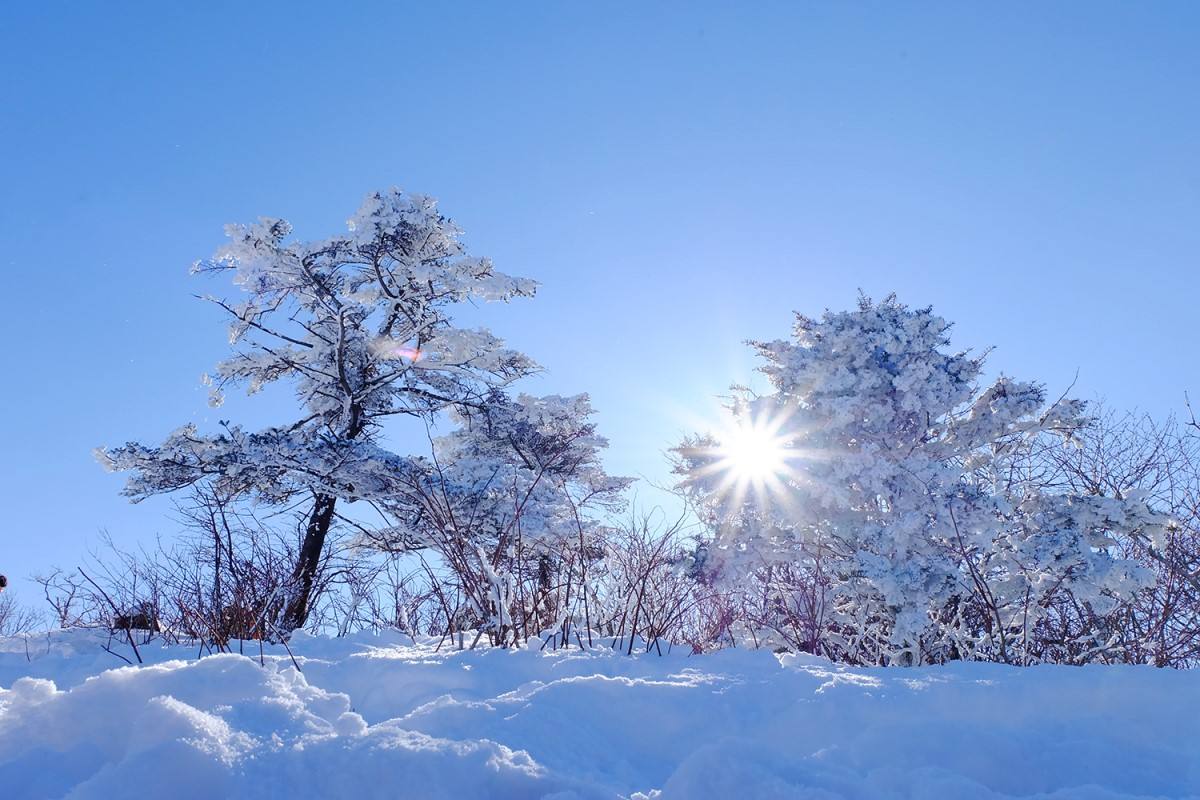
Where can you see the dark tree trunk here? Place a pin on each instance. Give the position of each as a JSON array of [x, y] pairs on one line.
[[307, 562], [309, 558]]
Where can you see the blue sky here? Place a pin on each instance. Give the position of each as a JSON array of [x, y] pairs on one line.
[[679, 177]]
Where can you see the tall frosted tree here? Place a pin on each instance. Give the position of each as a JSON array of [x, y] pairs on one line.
[[889, 476], [360, 325]]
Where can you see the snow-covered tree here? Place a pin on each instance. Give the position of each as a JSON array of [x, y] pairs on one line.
[[507, 500], [360, 325], [880, 470]]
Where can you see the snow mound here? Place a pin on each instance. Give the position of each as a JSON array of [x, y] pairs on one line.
[[378, 717]]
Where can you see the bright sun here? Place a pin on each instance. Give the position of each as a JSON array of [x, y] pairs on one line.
[[753, 453]]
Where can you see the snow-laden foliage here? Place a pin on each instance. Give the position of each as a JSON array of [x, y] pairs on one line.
[[506, 499], [896, 496], [360, 325]]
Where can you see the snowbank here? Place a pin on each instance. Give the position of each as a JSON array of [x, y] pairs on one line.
[[381, 717]]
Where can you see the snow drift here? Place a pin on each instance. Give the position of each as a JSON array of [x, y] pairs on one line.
[[383, 717]]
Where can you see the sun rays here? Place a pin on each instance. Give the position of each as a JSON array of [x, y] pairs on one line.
[[753, 452], [752, 459]]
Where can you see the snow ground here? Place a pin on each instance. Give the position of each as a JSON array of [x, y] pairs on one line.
[[382, 717]]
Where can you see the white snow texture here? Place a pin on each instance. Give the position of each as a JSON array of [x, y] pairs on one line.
[[382, 717]]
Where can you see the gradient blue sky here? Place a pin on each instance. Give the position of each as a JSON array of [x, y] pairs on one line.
[[678, 176]]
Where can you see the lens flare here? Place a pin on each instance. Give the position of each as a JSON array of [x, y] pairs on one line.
[[389, 348]]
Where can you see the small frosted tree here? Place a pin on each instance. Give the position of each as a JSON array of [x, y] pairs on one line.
[[360, 325], [895, 484], [509, 501]]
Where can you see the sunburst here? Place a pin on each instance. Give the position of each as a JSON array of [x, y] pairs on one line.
[[754, 459]]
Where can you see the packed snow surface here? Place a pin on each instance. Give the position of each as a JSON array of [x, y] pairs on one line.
[[384, 717]]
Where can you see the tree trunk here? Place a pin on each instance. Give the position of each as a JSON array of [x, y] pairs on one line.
[[307, 562], [309, 558]]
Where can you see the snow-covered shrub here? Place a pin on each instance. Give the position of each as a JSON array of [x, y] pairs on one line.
[[897, 500], [1127, 455], [509, 506]]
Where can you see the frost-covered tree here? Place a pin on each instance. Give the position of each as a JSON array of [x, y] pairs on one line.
[[1121, 455], [883, 473], [360, 325], [508, 502]]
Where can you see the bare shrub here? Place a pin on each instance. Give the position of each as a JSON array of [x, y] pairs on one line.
[[646, 594], [17, 619], [223, 580]]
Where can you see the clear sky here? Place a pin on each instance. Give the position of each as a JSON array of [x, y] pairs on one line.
[[679, 177]]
